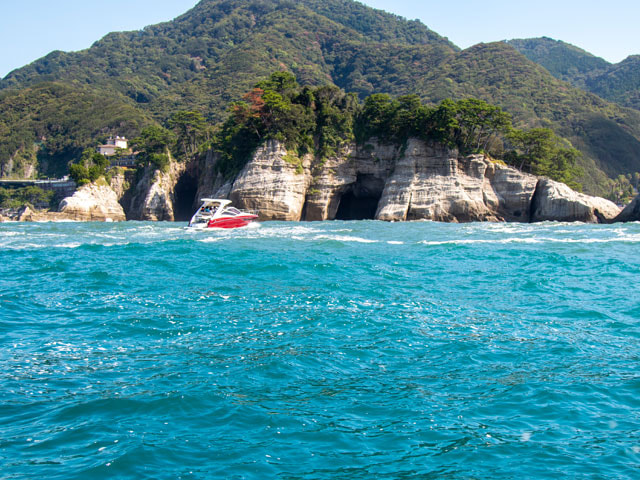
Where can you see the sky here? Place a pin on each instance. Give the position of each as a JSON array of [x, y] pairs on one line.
[[29, 29]]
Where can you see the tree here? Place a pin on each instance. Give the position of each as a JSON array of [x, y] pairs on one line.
[[334, 115], [189, 128], [376, 117], [89, 167], [620, 190], [441, 124], [541, 152], [153, 146], [79, 173], [479, 123], [284, 83]]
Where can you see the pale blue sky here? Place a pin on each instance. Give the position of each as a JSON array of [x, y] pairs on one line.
[[29, 29]]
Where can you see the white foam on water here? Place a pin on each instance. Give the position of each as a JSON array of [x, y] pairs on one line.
[[24, 246], [479, 241], [68, 245], [344, 238], [210, 239], [533, 240]]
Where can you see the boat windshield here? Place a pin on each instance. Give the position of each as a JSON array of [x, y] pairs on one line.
[[232, 211]]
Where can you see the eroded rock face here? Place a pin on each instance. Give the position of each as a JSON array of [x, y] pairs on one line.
[[420, 181], [509, 192], [555, 201], [154, 194], [118, 184], [94, 203], [430, 183], [630, 213], [273, 184], [210, 183]]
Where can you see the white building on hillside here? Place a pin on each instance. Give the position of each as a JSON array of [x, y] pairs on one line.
[[109, 148]]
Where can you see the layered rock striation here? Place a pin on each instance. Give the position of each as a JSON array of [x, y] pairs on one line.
[[92, 203], [556, 201], [153, 196], [275, 183], [418, 181]]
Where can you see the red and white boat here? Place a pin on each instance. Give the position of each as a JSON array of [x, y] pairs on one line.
[[218, 213]]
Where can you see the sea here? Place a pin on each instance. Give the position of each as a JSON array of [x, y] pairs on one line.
[[329, 350]]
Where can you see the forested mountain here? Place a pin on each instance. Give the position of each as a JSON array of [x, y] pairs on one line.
[[213, 54], [54, 122], [618, 82]]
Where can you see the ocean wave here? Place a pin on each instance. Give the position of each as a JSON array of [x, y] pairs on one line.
[[344, 238], [533, 240]]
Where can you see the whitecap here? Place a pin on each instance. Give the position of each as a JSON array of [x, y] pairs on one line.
[[344, 238], [68, 245]]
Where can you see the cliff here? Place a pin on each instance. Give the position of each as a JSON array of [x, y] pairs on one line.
[[631, 212], [95, 202], [420, 181], [556, 201], [153, 196], [91, 202]]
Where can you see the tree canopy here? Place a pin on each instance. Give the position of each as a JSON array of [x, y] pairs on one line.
[[320, 120]]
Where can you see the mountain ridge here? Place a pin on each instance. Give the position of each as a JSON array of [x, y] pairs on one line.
[[616, 82]]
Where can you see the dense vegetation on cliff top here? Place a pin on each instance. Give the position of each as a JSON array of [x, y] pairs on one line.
[[321, 120], [211, 55], [618, 82]]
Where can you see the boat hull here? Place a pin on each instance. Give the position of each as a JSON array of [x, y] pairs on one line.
[[232, 222]]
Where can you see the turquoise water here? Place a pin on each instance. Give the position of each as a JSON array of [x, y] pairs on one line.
[[352, 350]]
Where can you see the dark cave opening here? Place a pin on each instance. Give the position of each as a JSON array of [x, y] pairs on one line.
[[185, 197], [360, 201]]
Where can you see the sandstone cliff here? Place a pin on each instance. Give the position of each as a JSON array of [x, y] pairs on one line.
[[631, 212], [153, 195], [274, 183], [90, 203], [420, 181], [556, 201]]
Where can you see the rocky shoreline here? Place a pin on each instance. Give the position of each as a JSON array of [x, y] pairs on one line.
[[417, 181]]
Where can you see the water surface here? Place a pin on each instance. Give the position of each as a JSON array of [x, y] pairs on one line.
[[352, 350]]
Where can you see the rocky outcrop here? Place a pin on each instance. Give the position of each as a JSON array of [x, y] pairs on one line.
[[95, 203], [274, 183], [419, 181], [555, 201], [360, 172], [630, 213], [430, 182], [209, 181], [25, 214], [119, 183], [154, 194]]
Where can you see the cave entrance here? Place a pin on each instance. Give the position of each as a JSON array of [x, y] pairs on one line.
[[360, 201], [185, 197]]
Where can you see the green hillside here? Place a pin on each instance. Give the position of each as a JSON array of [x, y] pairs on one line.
[[50, 124], [618, 82], [213, 54], [217, 50], [563, 60]]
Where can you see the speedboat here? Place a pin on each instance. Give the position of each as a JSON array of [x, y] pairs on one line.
[[218, 213]]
